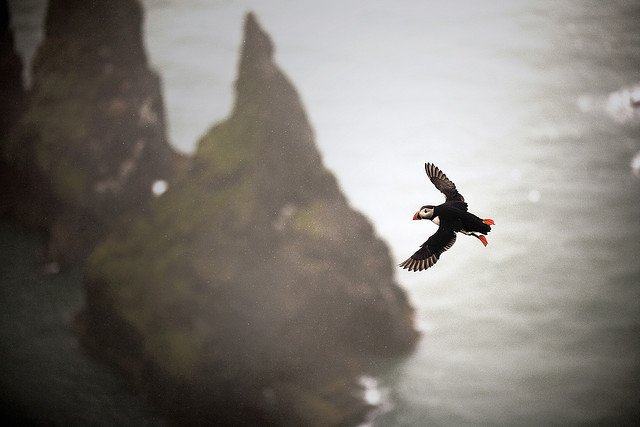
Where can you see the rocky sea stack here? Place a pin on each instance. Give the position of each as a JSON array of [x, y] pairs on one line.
[[92, 138], [250, 292], [247, 293]]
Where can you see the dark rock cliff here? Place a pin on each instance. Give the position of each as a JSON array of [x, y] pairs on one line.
[[94, 124], [13, 94], [250, 291], [16, 180]]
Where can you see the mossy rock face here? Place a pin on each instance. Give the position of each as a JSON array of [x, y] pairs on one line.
[[95, 111], [251, 274], [92, 136]]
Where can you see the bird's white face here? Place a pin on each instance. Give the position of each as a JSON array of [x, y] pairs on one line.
[[426, 213]]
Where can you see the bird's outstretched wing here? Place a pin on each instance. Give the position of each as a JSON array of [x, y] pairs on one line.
[[431, 250], [442, 183]]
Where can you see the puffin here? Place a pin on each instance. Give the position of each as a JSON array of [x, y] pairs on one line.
[[451, 217]]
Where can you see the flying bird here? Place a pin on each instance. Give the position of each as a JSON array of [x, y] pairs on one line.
[[451, 217]]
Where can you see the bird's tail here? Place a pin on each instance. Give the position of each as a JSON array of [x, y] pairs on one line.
[[486, 226]]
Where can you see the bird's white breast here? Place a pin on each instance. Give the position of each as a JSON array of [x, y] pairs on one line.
[[436, 220]]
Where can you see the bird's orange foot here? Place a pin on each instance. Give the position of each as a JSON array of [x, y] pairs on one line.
[[482, 239], [489, 221]]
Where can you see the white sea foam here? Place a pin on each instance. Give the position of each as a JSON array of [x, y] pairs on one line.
[[534, 196], [635, 164], [375, 395], [624, 104]]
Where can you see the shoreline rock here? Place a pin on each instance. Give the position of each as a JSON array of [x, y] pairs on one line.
[[250, 292], [93, 129]]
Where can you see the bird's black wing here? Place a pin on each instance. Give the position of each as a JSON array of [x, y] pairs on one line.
[[430, 250], [442, 183]]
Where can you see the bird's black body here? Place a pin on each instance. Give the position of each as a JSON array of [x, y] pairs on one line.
[[452, 217]]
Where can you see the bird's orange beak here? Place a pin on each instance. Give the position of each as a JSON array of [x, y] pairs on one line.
[[416, 216]]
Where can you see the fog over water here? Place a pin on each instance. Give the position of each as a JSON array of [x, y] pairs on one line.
[[528, 106]]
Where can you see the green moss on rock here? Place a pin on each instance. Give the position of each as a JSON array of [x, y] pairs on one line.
[[93, 130]]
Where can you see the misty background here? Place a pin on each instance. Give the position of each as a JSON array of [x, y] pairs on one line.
[[531, 108]]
